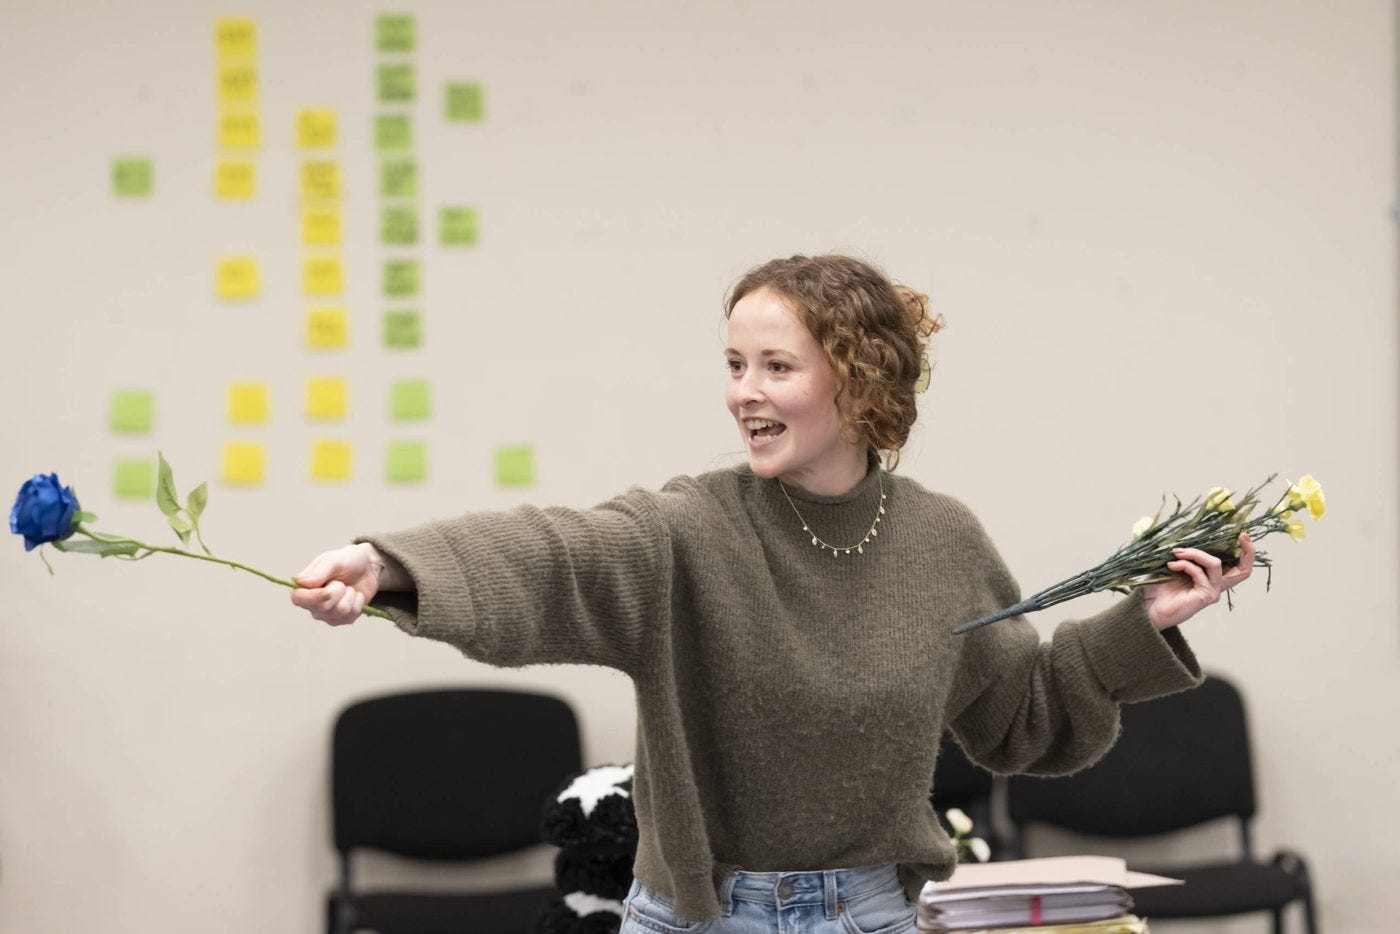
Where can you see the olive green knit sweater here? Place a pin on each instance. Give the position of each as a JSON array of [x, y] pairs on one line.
[[790, 703]]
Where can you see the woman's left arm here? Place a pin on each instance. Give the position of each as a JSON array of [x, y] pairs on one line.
[[1201, 579]]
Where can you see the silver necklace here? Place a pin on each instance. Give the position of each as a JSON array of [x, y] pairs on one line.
[[836, 550]]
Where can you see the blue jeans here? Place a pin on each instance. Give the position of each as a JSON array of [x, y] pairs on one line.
[[865, 900]]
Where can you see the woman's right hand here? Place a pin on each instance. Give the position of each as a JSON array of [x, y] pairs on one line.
[[337, 584]]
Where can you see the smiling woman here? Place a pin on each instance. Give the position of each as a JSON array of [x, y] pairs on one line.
[[755, 655]]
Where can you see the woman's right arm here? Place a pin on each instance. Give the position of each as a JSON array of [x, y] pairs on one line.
[[337, 584], [527, 586]]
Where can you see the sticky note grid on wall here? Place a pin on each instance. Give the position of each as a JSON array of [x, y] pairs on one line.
[[315, 305]]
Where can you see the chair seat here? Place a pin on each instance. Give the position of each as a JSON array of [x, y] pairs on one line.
[[514, 912], [1216, 890]]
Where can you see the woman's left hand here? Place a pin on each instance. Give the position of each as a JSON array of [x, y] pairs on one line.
[[1200, 581]]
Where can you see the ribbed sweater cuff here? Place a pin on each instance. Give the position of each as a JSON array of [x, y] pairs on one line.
[[1131, 659], [439, 581]]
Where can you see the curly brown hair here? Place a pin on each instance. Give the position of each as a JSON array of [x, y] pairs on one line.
[[875, 333]]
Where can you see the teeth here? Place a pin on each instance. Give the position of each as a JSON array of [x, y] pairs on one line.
[[754, 424]]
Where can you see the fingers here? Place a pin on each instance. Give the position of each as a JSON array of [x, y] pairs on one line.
[[335, 603], [1203, 559], [1245, 567]]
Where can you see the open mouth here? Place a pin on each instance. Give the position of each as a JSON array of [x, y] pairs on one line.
[[762, 430]]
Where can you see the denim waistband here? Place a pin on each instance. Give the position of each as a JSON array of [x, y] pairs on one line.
[[805, 888]]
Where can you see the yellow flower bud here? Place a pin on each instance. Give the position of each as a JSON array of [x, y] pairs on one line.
[[959, 821], [1294, 527], [1142, 525], [1219, 498]]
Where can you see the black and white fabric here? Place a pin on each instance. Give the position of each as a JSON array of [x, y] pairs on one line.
[[592, 821]]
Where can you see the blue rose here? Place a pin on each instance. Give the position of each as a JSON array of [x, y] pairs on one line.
[[43, 511]]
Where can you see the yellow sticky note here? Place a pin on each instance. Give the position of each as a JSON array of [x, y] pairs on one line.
[[515, 465], [132, 411], [320, 226], [240, 129], [244, 463], [320, 181], [235, 179], [238, 85], [322, 275], [325, 397], [247, 403], [236, 277], [326, 328], [316, 127], [330, 460], [135, 478], [235, 37], [407, 462]]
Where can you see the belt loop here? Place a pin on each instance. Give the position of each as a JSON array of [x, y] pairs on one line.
[[829, 893], [726, 893]]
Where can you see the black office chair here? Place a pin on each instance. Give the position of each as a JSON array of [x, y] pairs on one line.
[[960, 783], [446, 775], [1181, 760]]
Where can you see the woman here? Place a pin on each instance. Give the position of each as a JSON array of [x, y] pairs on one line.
[[787, 625]]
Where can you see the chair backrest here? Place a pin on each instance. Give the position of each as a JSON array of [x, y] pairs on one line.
[[1180, 760], [449, 774], [957, 782]]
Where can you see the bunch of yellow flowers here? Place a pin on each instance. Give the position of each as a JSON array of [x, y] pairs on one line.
[[1212, 523]]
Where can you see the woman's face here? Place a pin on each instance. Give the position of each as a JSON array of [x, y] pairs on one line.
[[782, 394]]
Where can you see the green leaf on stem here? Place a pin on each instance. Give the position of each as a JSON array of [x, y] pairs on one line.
[[95, 547], [199, 498], [182, 527], [166, 497], [80, 517]]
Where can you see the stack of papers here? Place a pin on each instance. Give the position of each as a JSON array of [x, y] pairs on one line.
[[1058, 895]]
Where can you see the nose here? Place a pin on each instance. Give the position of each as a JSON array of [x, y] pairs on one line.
[[750, 387]]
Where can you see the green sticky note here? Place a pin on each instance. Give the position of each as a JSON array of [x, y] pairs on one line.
[[409, 400], [401, 278], [398, 226], [132, 177], [402, 329], [398, 178], [135, 478], [393, 32], [458, 226], [465, 102], [392, 132], [132, 411], [407, 462], [515, 465], [395, 83]]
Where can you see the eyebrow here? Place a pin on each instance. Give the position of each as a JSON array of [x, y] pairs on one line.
[[762, 353]]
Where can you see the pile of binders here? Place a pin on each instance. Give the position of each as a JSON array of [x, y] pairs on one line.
[[1057, 895]]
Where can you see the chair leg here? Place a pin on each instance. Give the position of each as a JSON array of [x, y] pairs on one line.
[[1309, 913], [1278, 920]]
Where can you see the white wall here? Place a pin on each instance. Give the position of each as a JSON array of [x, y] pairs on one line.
[[1159, 233]]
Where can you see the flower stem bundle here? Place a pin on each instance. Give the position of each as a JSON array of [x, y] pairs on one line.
[[46, 512], [1212, 523]]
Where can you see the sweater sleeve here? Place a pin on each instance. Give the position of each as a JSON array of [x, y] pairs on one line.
[[537, 585], [1020, 706]]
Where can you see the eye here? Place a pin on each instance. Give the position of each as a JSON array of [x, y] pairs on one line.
[[731, 365], [778, 366]]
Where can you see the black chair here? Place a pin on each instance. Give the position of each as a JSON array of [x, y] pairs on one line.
[[449, 775], [1181, 760], [960, 783]]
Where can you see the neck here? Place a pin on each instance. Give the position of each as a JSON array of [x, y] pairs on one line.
[[833, 480]]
